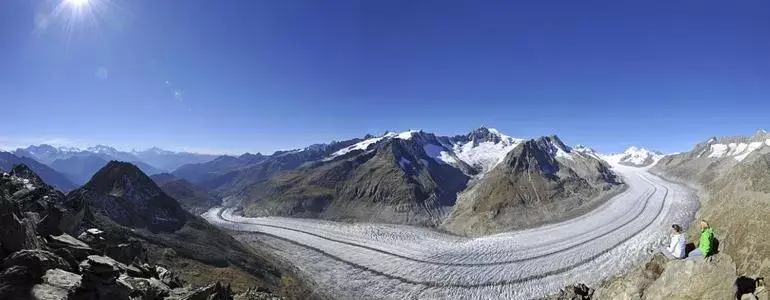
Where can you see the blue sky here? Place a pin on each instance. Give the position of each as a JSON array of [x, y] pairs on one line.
[[242, 75]]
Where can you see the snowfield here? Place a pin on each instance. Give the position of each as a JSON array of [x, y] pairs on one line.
[[381, 261]]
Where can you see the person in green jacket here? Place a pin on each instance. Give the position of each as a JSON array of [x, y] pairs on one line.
[[704, 243]]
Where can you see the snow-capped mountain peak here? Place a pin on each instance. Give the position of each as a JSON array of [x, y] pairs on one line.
[[556, 147], [101, 149], [635, 156], [482, 148], [583, 149], [485, 134], [69, 149], [153, 150]]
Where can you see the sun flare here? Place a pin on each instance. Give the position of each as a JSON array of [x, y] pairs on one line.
[[76, 3]]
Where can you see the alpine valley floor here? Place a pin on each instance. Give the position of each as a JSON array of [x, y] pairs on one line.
[[382, 261]]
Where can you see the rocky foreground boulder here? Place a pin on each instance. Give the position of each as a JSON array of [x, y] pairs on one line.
[[714, 277]]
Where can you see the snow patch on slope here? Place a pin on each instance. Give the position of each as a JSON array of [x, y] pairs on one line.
[[438, 154], [406, 134], [738, 151], [363, 145], [481, 155]]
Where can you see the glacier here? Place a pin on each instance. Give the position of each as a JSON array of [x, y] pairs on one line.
[[386, 261]]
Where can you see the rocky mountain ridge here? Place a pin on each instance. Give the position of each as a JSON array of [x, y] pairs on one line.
[[58, 180], [414, 177]]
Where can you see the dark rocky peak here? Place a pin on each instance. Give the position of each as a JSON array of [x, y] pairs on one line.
[[555, 142], [117, 174], [420, 137], [24, 172], [27, 190], [482, 134], [123, 193], [249, 156], [533, 155]]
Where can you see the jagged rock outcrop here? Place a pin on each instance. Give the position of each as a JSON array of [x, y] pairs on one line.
[[57, 284], [574, 292], [696, 278], [56, 179]]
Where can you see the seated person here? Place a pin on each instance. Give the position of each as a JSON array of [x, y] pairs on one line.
[[704, 243], [675, 249]]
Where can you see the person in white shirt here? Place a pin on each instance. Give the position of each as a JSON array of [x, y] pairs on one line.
[[675, 249]]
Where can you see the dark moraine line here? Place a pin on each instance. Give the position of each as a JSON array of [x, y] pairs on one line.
[[647, 200]]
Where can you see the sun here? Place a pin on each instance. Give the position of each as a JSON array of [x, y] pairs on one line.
[[76, 3]]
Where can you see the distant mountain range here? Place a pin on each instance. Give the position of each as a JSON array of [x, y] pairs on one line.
[[411, 177], [78, 165]]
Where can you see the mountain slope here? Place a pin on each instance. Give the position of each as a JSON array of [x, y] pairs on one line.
[[396, 183], [735, 174], [191, 197], [539, 181], [201, 172], [8, 160]]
